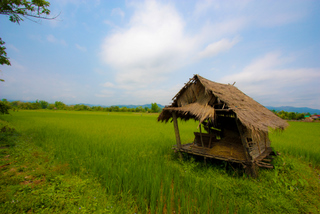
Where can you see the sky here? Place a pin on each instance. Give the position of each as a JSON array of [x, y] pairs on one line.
[[140, 52]]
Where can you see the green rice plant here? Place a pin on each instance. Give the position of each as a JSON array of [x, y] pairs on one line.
[[131, 156], [300, 139]]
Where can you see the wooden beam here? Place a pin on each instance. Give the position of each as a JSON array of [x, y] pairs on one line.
[[243, 140], [265, 139], [258, 146], [269, 166], [223, 110], [176, 129]]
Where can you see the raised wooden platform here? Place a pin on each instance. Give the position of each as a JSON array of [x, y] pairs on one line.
[[219, 151], [232, 152]]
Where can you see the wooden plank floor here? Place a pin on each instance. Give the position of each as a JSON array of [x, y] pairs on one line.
[[221, 151], [224, 151]]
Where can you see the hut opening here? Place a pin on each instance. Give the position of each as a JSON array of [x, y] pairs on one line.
[[232, 126]]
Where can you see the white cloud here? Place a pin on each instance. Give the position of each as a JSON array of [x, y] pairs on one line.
[[29, 83], [259, 13], [108, 85], [278, 13], [215, 48], [222, 7], [278, 19], [16, 66], [51, 38], [202, 7], [158, 41], [266, 78], [262, 69], [81, 48], [117, 11], [158, 95], [12, 47], [105, 93], [111, 24], [152, 46]]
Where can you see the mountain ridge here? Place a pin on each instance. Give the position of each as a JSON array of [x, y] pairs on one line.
[[294, 109]]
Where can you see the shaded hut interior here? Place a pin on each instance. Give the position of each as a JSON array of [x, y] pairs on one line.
[[232, 126]]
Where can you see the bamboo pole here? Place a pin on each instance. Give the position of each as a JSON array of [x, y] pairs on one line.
[[252, 167], [201, 136], [243, 140], [176, 129]]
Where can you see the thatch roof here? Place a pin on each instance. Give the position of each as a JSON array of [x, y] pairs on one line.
[[201, 98]]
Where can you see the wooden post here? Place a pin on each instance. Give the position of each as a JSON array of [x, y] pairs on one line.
[[176, 129], [243, 140], [252, 168], [210, 141], [201, 136]]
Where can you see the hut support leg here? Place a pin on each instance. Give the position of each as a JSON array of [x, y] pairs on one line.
[[201, 137], [251, 169], [243, 140], [176, 131]]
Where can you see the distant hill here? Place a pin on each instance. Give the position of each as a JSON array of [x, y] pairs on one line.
[[295, 109]]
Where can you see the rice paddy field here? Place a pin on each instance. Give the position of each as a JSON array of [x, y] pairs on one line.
[[301, 139], [130, 155]]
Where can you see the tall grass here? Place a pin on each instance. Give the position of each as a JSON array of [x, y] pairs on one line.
[[300, 139], [131, 154]]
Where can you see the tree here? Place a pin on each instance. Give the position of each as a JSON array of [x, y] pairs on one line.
[[4, 108], [35, 105], [154, 107], [43, 104], [147, 109], [17, 10], [292, 116], [59, 105], [3, 54], [140, 109], [51, 106], [123, 109]]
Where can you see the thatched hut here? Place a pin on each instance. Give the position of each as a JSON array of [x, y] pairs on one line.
[[232, 126]]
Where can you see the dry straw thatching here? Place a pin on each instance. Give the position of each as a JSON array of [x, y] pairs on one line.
[[201, 99], [237, 125]]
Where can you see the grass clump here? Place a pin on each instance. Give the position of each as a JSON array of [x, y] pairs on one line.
[[31, 181], [7, 134]]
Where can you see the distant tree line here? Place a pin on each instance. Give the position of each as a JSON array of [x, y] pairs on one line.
[[58, 105], [291, 115]]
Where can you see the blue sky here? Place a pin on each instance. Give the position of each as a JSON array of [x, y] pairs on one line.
[[138, 52]]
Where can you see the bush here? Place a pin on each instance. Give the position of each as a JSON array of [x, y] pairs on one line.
[[4, 108]]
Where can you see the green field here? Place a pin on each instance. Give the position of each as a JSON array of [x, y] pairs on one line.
[[300, 139], [130, 155]]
